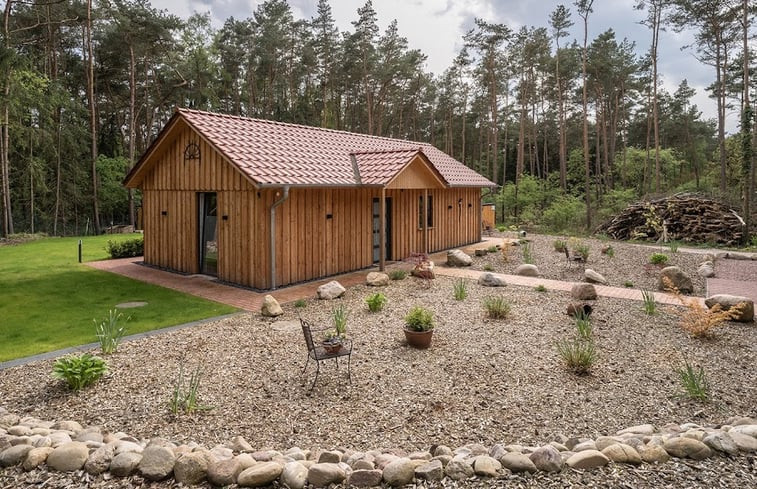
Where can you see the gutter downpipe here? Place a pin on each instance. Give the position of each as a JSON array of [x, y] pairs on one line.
[[284, 197]]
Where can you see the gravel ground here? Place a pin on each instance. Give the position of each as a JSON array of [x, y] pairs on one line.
[[481, 381], [629, 263]]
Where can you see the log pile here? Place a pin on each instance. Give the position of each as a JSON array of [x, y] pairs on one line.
[[684, 217]]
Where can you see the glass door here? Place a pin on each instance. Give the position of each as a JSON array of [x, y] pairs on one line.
[[208, 216]]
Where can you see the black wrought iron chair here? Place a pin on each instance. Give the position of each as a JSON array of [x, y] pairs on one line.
[[318, 353]]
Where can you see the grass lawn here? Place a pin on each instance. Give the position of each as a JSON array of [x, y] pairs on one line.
[[48, 300]]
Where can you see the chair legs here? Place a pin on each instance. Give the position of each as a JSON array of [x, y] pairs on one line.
[[318, 369]]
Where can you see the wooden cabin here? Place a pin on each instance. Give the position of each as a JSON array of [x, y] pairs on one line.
[[265, 204]]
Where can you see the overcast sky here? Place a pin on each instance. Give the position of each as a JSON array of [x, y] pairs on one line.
[[436, 28]]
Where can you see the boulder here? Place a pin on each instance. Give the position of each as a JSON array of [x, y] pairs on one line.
[[726, 302], [399, 472], [294, 475], [547, 459], [622, 453], [458, 469], [332, 456], [157, 462], [527, 270], [687, 448], [239, 444], [518, 462], [432, 471], [746, 428], [99, 460], [191, 468], [259, 475], [653, 454], [486, 466], [424, 269], [67, 425], [577, 308], [68, 457], [706, 269], [125, 464], [271, 307], [14, 455], [584, 445], [677, 278], [330, 290], [488, 279], [587, 459], [36, 457], [583, 292], [594, 277], [721, 442], [480, 252], [458, 258], [321, 475], [377, 279], [642, 429], [745, 443], [364, 478]]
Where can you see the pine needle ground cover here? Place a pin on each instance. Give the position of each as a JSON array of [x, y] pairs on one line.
[[48, 299]]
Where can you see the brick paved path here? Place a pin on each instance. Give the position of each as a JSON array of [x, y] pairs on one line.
[[735, 277]]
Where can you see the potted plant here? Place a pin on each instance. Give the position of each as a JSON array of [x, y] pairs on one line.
[[419, 326], [334, 337]]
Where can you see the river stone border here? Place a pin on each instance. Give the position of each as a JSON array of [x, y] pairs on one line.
[[67, 446]]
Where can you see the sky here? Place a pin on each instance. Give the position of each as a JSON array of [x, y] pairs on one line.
[[436, 28]]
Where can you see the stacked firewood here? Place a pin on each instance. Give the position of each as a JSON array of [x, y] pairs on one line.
[[683, 217]]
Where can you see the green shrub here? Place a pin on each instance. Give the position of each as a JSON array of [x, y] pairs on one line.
[[460, 289], [658, 259], [300, 303], [650, 306], [109, 333], [419, 319], [583, 325], [540, 288], [582, 250], [497, 307], [694, 382], [487, 267], [492, 249], [376, 302], [126, 249], [674, 245], [398, 274], [564, 214], [186, 398], [528, 256], [339, 318], [579, 355], [609, 251], [560, 245], [628, 284], [502, 228], [79, 371]]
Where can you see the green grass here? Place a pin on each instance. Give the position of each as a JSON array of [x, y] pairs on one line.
[[48, 300]]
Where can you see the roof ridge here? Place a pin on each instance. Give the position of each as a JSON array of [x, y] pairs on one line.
[[383, 151], [301, 126]]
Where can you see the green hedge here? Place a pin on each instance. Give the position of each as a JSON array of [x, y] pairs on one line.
[[126, 249]]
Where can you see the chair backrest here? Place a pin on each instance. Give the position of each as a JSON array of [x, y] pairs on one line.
[[308, 334]]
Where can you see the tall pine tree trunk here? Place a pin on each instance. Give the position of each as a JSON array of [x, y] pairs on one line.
[[92, 117], [5, 187]]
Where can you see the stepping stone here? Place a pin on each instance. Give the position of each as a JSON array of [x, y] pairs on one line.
[[131, 305]]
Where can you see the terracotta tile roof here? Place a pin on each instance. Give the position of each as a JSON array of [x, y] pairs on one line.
[[275, 153]]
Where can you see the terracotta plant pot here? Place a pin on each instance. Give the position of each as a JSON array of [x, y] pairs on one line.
[[418, 339], [332, 347]]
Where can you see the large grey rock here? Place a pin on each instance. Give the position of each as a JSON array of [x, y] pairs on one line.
[[432, 471], [584, 445], [68, 457], [746, 311], [745, 443], [706, 269], [67, 425], [458, 258], [594, 277], [735, 255], [746, 428], [271, 307], [622, 453], [687, 448], [36, 457], [721, 442], [259, 475], [157, 462], [14, 455], [377, 279], [330, 290], [191, 468], [58, 438], [321, 475], [488, 279], [294, 475], [653, 454], [587, 459], [527, 270], [486, 466], [547, 459], [518, 462], [677, 278], [458, 469], [125, 464], [583, 292], [224, 472], [331, 456], [364, 478], [399, 472], [239, 444], [99, 460]]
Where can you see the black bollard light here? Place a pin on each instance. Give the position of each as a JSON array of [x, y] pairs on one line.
[[79, 251]]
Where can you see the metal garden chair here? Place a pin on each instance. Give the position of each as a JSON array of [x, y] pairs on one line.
[[318, 353]]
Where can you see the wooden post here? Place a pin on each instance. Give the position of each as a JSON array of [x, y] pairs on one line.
[[382, 230], [425, 220]]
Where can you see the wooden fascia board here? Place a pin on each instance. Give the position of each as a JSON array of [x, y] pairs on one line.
[[132, 179]]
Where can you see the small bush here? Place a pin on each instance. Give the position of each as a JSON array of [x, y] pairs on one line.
[[609, 251], [528, 256], [583, 325], [501, 228], [376, 302], [419, 319], [658, 259], [460, 289], [398, 274], [497, 307], [488, 267], [560, 245], [674, 245], [650, 306], [696, 319], [126, 249], [339, 319], [492, 249], [694, 382], [628, 284], [109, 333], [186, 398], [300, 303], [583, 251], [540, 288], [79, 371], [579, 355], [564, 213]]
